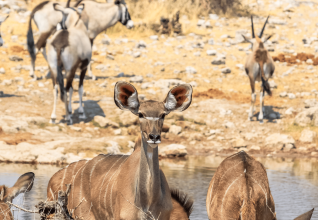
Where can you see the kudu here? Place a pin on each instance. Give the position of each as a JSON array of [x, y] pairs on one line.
[[97, 17], [1, 40], [69, 48], [23, 184], [240, 190], [259, 66], [126, 187]]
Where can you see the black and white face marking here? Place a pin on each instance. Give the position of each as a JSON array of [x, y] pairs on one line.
[[125, 18]]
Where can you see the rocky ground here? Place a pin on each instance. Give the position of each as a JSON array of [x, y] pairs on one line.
[[211, 58]]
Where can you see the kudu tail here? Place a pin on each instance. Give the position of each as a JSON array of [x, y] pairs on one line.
[[30, 40], [265, 83], [60, 79]]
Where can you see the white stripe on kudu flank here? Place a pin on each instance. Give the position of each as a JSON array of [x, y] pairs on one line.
[[93, 168], [73, 184], [81, 186], [104, 180], [63, 177]]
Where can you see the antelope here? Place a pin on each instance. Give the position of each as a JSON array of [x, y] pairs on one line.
[[121, 186], [1, 40], [240, 190], [70, 47], [97, 17], [23, 184], [259, 66]]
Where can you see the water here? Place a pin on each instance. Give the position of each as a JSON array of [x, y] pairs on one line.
[[293, 183]]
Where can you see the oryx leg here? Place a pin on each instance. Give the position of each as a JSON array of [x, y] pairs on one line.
[[81, 90], [251, 113], [70, 101], [90, 73], [261, 102], [55, 94]]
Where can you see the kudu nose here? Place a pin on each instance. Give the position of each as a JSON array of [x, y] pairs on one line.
[[154, 137]]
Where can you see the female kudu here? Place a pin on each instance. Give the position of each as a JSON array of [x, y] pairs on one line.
[[97, 17], [126, 187], [239, 190], [259, 66], [69, 48], [23, 184]]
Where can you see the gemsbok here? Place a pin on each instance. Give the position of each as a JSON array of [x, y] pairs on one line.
[[69, 48], [240, 190], [97, 17], [120, 186], [259, 66], [1, 40], [23, 184]]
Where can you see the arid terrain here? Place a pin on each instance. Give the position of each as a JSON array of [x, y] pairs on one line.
[[215, 123]]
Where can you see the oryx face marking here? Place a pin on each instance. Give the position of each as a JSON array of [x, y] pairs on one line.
[[125, 18]]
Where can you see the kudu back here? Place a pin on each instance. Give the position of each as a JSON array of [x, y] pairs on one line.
[[240, 190], [22, 185], [120, 186]]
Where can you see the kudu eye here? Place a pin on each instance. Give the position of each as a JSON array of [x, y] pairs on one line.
[[163, 116], [140, 115]]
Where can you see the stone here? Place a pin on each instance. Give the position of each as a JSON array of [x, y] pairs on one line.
[[240, 66], [173, 150], [278, 138], [141, 44], [136, 54], [2, 70], [211, 41], [239, 142], [213, 16], [288, 147], [272, 84], [117, 132], [291, 96], [113, 148], [226, 70], [307, 136], [105, 122], [290, 111], [229, 125], [255, 148], [110, 57], [74, 128], [309, 103], [15, 58], [309, 61], [211, 52], [7, 82], [37, 120], [307, 117], [218, 61], [154, 37], [200, 22], [283, 94], [136, 79], [191, 70], [174, 129]]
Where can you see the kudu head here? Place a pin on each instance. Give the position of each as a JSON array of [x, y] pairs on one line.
[[23, 184], [125, 18], [1, 40], [71, 16], [152, 113], [257, 41]]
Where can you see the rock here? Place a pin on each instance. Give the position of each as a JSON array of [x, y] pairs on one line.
[[136, 54], [309, 61], [240, 66], [272, 84], [218, 61], [207, 24], [113, 148], [279, 139], [193, 84], [197, 54], [117, 132], [141, 44], [276, 21], [173, 150], [2, 70], [7, 82], [154, 37], [307, 117], [255, 148], [283, 94], [226, 70], [200, 23], [105, 122], [108, 56], [127, 119], [213, 16], [136, 79], [211, 52], [307, 136], [74, 128], [40, 84], [174, 129], [291, 96], [290, 111], [211, 41], [103, 84], [190, 70], [37, 120], [15, 58], [240, 142], [309, 103], [288, 147], [229, 125]]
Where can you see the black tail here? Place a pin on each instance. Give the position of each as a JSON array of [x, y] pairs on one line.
[[60, 79], [266, 87], [30, 40]]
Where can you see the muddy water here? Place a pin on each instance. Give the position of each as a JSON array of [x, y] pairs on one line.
[[293, 182]]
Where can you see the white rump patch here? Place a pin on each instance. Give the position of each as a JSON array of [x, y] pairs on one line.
[[171, 102], [133, 101]]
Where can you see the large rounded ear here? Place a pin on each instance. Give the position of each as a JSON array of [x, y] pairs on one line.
[[305, 216], [23, 184], [126, 97], [179, 98]]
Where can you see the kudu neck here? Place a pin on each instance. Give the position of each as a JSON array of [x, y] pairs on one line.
[[149, 182]]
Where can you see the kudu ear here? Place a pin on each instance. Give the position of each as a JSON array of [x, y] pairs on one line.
[[58, 7], [80, 8], [269, 37], [23, 184], [305, 216], [179, 98], [126, 97]]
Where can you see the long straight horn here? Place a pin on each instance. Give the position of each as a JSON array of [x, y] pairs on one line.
[[68, 4], [261, 34], [253, 33]]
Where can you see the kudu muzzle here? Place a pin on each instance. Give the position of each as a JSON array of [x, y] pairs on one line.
[[152, 131]]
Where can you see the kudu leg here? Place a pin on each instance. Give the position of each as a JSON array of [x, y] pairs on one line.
[[53, 115]]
